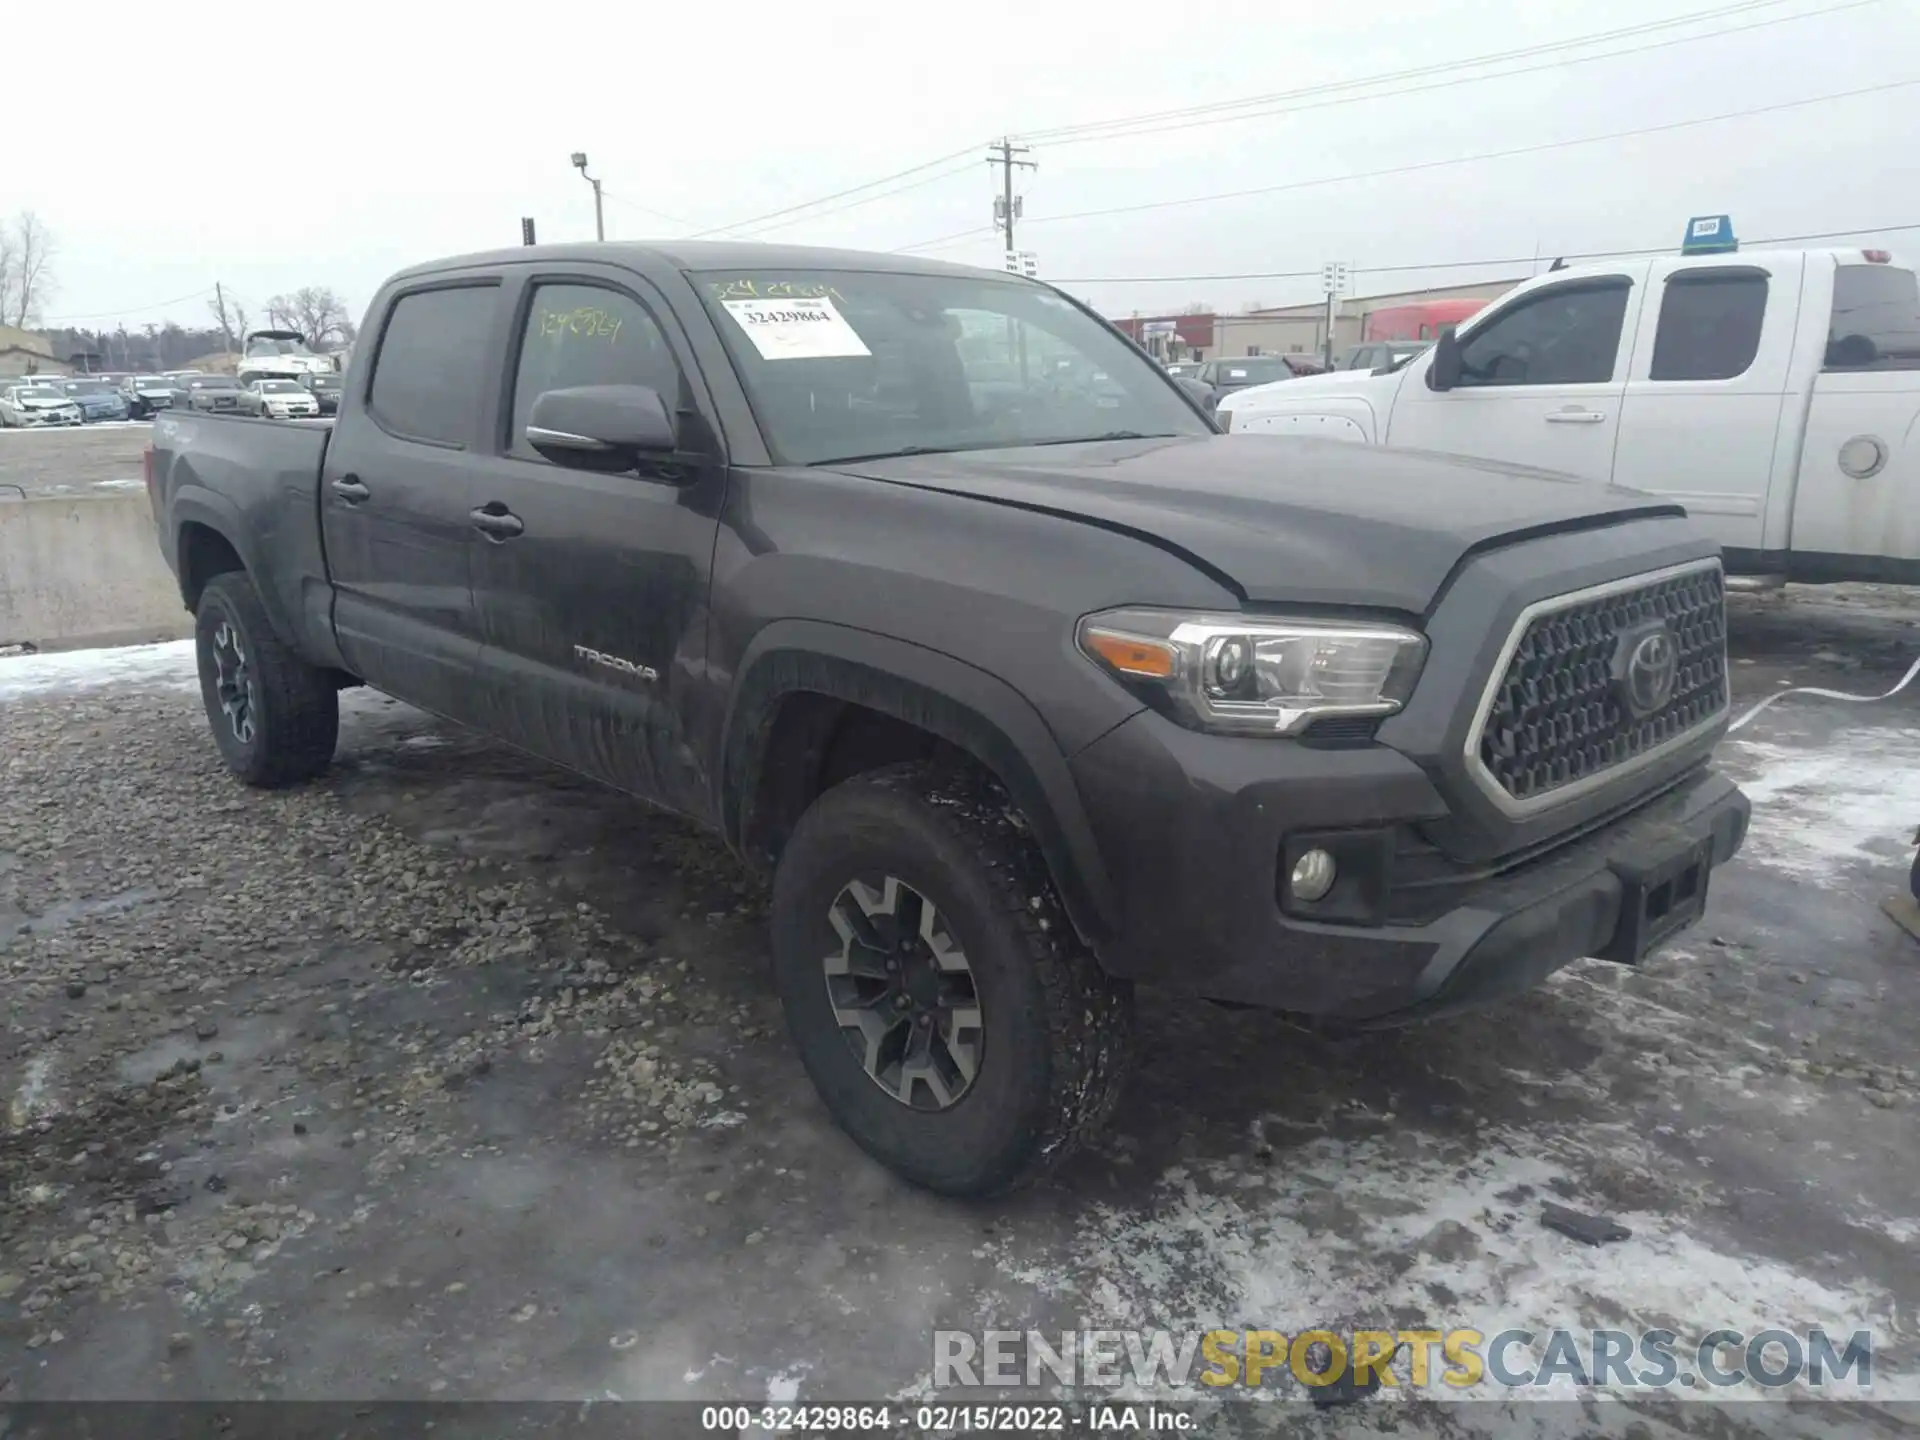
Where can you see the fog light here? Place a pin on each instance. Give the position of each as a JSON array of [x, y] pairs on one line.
[[1313, 875]]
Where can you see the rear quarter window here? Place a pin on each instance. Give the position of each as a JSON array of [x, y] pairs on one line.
[[433, 362], [1876, 319]]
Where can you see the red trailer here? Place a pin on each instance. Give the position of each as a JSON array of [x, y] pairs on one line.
[[1420, 320]]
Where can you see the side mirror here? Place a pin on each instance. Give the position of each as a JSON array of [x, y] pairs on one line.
[[600, 427], [1444, 372]]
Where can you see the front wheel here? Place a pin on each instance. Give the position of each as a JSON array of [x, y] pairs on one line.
[[275, 718], [943, 1006]]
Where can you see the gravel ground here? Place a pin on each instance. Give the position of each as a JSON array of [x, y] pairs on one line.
[[102, 456], [454, 1077]]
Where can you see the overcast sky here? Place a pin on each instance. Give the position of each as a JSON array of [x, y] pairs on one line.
[[272, 146]]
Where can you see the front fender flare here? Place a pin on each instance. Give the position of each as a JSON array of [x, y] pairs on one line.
[[962, 704]]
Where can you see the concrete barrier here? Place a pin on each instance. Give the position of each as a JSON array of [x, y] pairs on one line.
[[79, 570]]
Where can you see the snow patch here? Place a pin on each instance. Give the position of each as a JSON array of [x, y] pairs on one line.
[[170, 666], [1372, 1232], [1815, 813]]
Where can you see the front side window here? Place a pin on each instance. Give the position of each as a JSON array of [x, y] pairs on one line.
[[1709, 325], [1569, 335], [1876, 319], [587, 335], [432, 363], [840, 365]]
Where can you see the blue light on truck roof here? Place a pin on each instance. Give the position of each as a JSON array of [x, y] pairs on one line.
[[1709, 235]]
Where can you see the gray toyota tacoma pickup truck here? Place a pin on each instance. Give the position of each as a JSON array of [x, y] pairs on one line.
[[936, 598]]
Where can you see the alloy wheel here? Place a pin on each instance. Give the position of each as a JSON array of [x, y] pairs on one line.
[[233, 681], [903, 994]]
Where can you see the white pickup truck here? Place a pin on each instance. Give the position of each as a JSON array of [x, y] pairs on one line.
[[1775, 394]]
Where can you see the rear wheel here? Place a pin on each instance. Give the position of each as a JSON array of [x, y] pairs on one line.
[[942, 1005], [275, 718]]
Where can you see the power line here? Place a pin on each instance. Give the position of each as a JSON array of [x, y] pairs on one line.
[[1160, 122], [1400, 269], [646, 209], [836, 195], [940, 240], [61, 320], [948, 174], [1539, 149]]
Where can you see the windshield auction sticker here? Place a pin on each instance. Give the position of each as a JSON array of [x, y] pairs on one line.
[[797, 329]]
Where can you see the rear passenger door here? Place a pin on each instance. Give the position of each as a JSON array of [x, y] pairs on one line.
[[591, 588], [1700, 420], [394, 497]]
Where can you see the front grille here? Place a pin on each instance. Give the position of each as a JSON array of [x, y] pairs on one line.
[[1563, 717]]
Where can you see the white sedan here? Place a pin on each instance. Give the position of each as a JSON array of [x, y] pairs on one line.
[[279, 400], [33, 405]]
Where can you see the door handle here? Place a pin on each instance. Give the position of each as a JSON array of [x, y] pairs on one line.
[[349, 489], [495, 521], [1575, 417]]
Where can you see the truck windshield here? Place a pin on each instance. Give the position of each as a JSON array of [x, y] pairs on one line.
[[844, 365], [276, 345]]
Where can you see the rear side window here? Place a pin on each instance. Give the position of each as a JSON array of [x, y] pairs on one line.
[[1709, 325], [432, 364], [1876, 319], [588, 335]]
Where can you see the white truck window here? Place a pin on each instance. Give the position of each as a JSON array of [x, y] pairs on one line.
[[1709, 325], [1876, 319], [1566, 335]]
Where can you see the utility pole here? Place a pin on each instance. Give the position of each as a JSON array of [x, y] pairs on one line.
[[599, 215], [1006, 155], [220, 300]]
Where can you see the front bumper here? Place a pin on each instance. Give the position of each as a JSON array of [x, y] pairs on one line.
[[1198, 833], [32, 419]]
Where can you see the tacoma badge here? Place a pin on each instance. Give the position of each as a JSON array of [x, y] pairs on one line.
[[614, 662]]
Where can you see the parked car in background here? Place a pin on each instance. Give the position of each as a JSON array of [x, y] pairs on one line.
[[96, 397], [279, 355], [278, 400], [209, 392], [1378, 354], [1223, 377], [326, 391], [146, 394], [37, 404], [1188, 368]]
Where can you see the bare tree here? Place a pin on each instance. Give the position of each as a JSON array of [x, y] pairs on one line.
[[231, 316], [319, 315], [9, 262], [32, 286]]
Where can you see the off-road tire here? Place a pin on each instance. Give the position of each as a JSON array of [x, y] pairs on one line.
[[1057, 1031], [295, 706]]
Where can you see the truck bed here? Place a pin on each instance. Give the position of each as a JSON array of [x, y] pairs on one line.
[[235, 475]]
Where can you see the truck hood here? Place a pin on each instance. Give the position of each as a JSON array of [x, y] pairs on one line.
[[1281, 519], [1316, 387]]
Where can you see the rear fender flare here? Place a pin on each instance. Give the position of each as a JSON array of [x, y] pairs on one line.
[[969, 708], [193, 504]]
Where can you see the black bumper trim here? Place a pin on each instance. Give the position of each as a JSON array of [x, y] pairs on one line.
[[1517, 931]]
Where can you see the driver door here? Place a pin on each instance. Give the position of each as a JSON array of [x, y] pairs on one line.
[[1542, 380]]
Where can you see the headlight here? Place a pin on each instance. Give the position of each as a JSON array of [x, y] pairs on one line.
[[1254, 675]]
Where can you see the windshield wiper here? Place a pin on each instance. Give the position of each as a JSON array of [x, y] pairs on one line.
[[1110, 435], [896, 454]]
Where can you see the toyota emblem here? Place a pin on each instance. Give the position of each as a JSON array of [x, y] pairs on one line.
[[1647, 662]]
